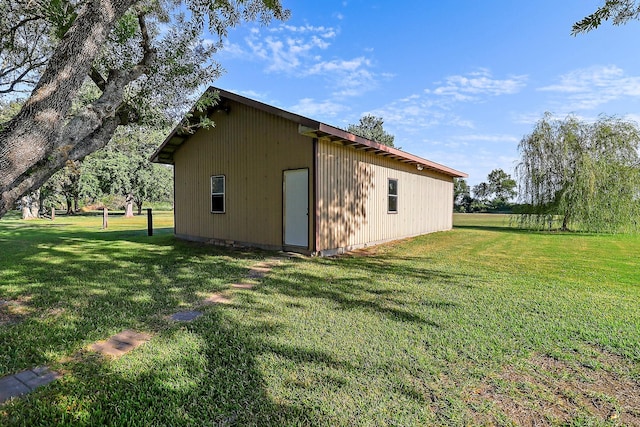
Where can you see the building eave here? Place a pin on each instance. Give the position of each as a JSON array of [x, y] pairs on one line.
[[306, 126], [339, 136]]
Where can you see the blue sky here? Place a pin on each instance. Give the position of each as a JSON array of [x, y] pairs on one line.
[[459, 82]]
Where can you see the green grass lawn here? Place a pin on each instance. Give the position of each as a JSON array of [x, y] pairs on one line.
[[484, 324]]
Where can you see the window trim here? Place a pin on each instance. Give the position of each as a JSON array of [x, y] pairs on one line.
[[390, 196], [224, 194]]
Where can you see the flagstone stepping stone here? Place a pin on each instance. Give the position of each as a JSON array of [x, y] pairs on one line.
[[243, 285], [258, 272], [261, 269], [121, 343], [186, 316], [218, 298], [25, 382]]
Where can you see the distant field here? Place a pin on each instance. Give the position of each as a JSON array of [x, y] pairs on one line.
[[484, 324], [481, 220]]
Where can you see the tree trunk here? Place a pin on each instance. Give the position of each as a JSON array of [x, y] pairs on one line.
[[35, 204], [41, 205], [30, 206], [128, 211], [69, 206], [75, 204], [25, 204], [91, 140], [35, 137], [139, 205]]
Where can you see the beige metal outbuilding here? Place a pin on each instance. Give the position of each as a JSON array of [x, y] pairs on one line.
[[267, 178]]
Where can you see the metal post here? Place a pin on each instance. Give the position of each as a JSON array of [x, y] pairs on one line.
[[149, 222]]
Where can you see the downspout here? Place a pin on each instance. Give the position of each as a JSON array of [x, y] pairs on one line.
[[174, 198], [314, 244]]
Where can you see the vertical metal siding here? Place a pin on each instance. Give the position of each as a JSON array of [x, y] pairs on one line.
[[251, 148], [352, 198]]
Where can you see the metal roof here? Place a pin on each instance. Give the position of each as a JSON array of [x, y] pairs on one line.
[[306, 126]]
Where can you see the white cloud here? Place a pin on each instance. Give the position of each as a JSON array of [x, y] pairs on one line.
[[488, 138], [478, 163], [417, 112], [323, 32], [233, 50], [475, 84], [534, 117], [284, 55], [264, 97], [347, 77], [528, 118], [300, 51], [584, 79], [588, 88], [339, 66], [288, 47], [412, 114], [320, 110], [632, 117], [252, 94]]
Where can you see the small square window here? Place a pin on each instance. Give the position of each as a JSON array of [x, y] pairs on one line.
[[392, 196], [218, 194]]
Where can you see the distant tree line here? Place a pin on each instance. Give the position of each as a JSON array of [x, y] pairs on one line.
[[118, 177], [496, 194]]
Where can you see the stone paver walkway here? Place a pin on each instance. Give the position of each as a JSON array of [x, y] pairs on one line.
[[26, 381]]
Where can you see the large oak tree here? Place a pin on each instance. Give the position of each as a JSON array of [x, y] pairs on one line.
[[147, 57]]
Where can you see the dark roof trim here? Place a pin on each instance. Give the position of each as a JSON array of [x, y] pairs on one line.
[[346, 138], [308, 127]]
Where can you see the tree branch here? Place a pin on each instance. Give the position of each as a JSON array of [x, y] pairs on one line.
[[97, 79], [148, 52], [618, 11]]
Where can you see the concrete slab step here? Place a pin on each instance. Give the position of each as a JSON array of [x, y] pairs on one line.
[[120, 343], [186, 316], [25, 382]]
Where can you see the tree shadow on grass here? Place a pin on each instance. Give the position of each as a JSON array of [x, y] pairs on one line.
[[514, 229], [409, 267], [75, 288], [202, 373], [208, 372], [81, 287], [367, 288]]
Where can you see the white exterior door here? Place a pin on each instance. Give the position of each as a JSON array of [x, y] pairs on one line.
[[296, 207]]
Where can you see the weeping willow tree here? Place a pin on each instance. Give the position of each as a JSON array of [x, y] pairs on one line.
[[580, 176]]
